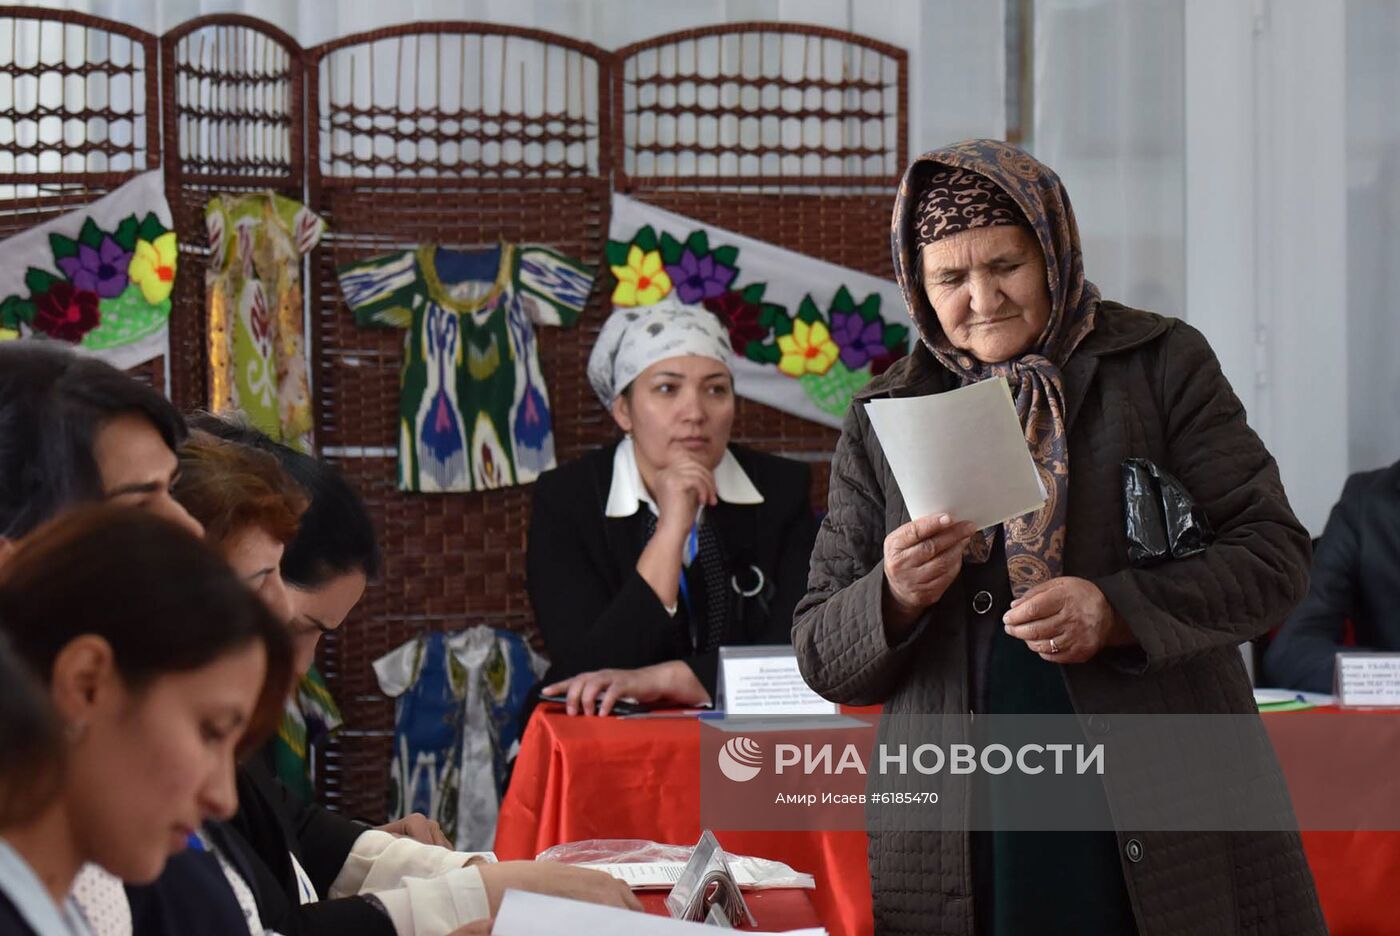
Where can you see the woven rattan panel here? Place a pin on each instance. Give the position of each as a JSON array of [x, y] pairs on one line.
[[453, 134], [461, 134], [78, 118], [790, 134], [233, 100]]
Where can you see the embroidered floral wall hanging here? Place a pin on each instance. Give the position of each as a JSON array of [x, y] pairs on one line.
[[99, 277], [806, 334]]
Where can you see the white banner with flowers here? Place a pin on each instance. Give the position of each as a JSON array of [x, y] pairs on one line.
[[99, 277], [806, 334]]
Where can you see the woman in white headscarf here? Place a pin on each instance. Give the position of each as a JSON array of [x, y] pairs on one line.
[[649, 554]]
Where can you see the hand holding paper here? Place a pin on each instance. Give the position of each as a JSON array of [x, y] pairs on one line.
[[922, 558]]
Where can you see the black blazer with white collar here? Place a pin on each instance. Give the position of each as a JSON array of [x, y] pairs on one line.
[[596, 612]]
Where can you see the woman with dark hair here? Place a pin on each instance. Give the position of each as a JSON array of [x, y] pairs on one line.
[[648, 555], [73, 428], [159, 664], [315, 871], [326, 567], [31, 749], [334, 554]]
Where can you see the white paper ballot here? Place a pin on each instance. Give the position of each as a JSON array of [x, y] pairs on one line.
[[962, 453], [526, 914], [647, 875]]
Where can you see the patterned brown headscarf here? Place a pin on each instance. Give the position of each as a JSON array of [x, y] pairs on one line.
[[1035, 543], [957, 200]]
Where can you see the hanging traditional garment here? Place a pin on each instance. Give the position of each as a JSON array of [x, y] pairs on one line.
[[806, 334], [100, 276], [473, 408], [458, 717], [308, 716], [257, 345]]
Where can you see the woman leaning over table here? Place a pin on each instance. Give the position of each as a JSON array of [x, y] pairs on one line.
[[1044, 614]]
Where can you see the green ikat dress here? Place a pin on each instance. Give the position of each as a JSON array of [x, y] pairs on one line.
[[473, 408]]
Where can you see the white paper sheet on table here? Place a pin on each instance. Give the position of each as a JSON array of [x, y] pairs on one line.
[[526, 914], [962, 453], [650, 875]]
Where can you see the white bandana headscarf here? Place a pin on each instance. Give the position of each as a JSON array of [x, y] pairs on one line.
[[633, 339]]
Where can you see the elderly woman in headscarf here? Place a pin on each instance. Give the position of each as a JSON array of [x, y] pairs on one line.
[[647, 555], [1045, 613]]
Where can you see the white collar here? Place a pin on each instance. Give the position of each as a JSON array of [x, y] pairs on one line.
[[32, 899], [628, 493]]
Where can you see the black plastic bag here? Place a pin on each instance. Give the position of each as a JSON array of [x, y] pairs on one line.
[[1162, 520]]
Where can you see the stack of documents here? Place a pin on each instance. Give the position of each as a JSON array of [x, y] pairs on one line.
[[526, 914]]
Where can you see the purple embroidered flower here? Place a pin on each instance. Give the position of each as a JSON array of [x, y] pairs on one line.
[[699, 278], [861, 342], [101, 271]]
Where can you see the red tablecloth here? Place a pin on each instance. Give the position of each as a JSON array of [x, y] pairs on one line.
[[591, 778], [597, 778], [1357, 873]]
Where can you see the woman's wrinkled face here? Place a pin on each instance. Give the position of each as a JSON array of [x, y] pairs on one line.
[[988, 288], [321, 609], [148, 767], [681, 407], [138, 469]]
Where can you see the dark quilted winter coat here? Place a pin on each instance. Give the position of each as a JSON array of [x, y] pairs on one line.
[[1140, 385]]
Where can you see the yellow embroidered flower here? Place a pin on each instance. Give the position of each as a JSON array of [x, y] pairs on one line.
[[8, 334], [153, 267], [642, 281], [808, 350]]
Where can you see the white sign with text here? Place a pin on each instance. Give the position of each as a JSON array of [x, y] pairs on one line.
[[765, 680], [1368, 680]]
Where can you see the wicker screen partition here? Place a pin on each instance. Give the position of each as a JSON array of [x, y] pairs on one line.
[[462, 134], [232, 93], [791, 134], [102, 128]]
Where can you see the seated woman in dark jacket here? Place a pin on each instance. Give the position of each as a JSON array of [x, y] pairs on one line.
[[646, 556], [1355, 579]]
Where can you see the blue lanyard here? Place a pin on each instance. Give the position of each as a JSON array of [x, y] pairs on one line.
[[692, 548]]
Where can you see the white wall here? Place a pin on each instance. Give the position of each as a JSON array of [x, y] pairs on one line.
[[1108, 119], [1373, 231], [1266, 268]]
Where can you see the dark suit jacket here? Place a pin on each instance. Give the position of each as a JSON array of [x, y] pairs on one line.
[[273, 823], [11, 923], [192, 895], [1355, 576], [595, 611]]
